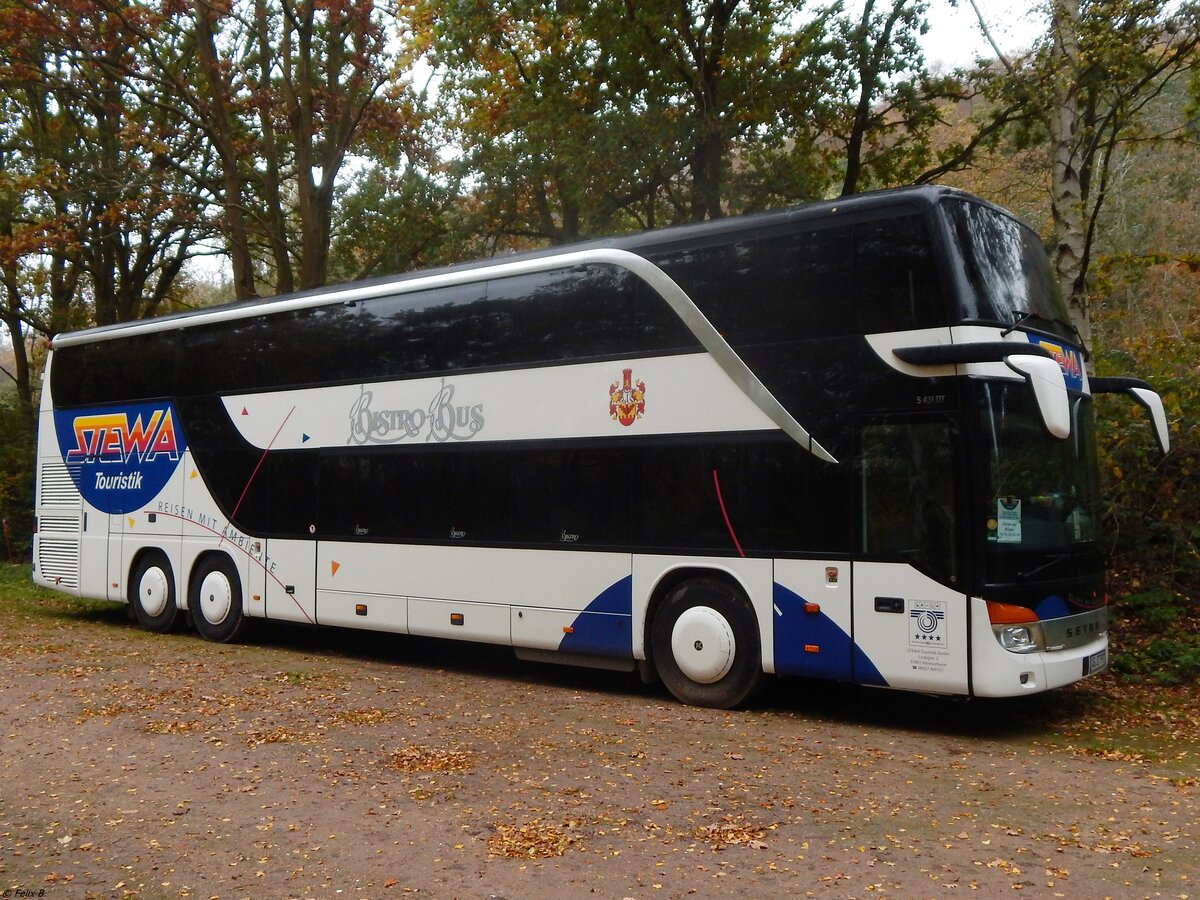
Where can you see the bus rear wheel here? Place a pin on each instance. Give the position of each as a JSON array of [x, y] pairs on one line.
[[215, 600], [152, 592], [705, 644]]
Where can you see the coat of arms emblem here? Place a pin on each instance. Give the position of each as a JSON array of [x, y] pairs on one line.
[[627, 398]]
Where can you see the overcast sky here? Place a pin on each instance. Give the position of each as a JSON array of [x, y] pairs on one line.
[[954, 37]]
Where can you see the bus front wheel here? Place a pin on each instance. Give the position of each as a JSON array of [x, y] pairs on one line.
[[705, 644], [152, 592], [215, 600]]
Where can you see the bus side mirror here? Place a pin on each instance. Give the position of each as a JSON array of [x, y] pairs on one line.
[[1153, 404], [1145, 396], [1044, 376]]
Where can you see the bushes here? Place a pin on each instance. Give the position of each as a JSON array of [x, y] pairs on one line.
[[1155, 639], [1148, 324], [16, 482]]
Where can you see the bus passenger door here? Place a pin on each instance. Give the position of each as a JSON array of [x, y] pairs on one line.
[[289, 576], [910, 615]]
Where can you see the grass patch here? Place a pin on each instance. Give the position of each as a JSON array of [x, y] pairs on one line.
[[20, 597], [1156, 639], [16, 584]]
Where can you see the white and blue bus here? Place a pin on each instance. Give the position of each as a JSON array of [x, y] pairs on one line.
[[852, 440]]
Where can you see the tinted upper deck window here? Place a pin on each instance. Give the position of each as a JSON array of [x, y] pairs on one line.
[[813, 282], [541, 318]]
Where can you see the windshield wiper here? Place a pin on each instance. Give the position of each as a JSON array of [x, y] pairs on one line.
[[1053, 560], [1021, 318]]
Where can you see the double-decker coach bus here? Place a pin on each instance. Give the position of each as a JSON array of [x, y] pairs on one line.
[[852, 440]]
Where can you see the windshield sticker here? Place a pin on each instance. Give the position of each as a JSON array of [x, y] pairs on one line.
[[1005, 528], [120, 458]]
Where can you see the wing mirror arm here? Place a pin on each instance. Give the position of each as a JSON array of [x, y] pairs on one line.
[[1146, 397]]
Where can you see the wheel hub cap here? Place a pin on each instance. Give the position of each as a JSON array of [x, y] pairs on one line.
[[153, 591], [216, 598], [703, 644]]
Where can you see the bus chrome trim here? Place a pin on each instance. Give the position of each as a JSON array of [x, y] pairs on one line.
[[1074, 631], [717, 346]]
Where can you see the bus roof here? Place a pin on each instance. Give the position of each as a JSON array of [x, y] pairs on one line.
[[482, 269]]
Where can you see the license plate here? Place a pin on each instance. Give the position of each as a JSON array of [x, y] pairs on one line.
[[1097, 662]]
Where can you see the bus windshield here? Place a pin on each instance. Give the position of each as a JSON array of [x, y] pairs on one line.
[[1003, 273], [1040, 499]]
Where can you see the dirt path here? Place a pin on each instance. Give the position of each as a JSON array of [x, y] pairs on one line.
[[347, 765]]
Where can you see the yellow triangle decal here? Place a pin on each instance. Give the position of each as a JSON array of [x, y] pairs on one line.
[[132, 521]]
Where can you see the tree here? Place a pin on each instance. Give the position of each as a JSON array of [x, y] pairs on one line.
[[580, 118], [583, 118], [283, 93], [395, 220], [1088, 84], [555, 140], [739, 75], [886, 101], [94, 228]]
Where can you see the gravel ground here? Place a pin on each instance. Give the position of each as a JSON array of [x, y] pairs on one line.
[[338, 764]]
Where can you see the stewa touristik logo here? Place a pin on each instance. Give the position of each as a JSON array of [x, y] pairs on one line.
[[120, 458], [1069, 360]]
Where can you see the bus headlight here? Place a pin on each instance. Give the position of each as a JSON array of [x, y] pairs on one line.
[[1016, 627], [1017, 638]]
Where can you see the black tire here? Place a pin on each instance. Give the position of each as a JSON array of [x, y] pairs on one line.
[[705, 645], [152, 592], [215, 600]]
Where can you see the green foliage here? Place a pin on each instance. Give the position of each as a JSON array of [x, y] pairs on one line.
[[581, 119], [1148, 325], [16, 585], [392, 222], [16, 481], [1157, 640], [1157, 610], [1164, 660]]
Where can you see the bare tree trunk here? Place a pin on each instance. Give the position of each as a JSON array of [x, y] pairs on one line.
[[1066, 182], [222, 132], [707, 159], [10, 316], [276, 225]]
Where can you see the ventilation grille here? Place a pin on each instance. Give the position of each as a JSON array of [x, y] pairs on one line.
[[55, 487], [58, 558], [59, 526]]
